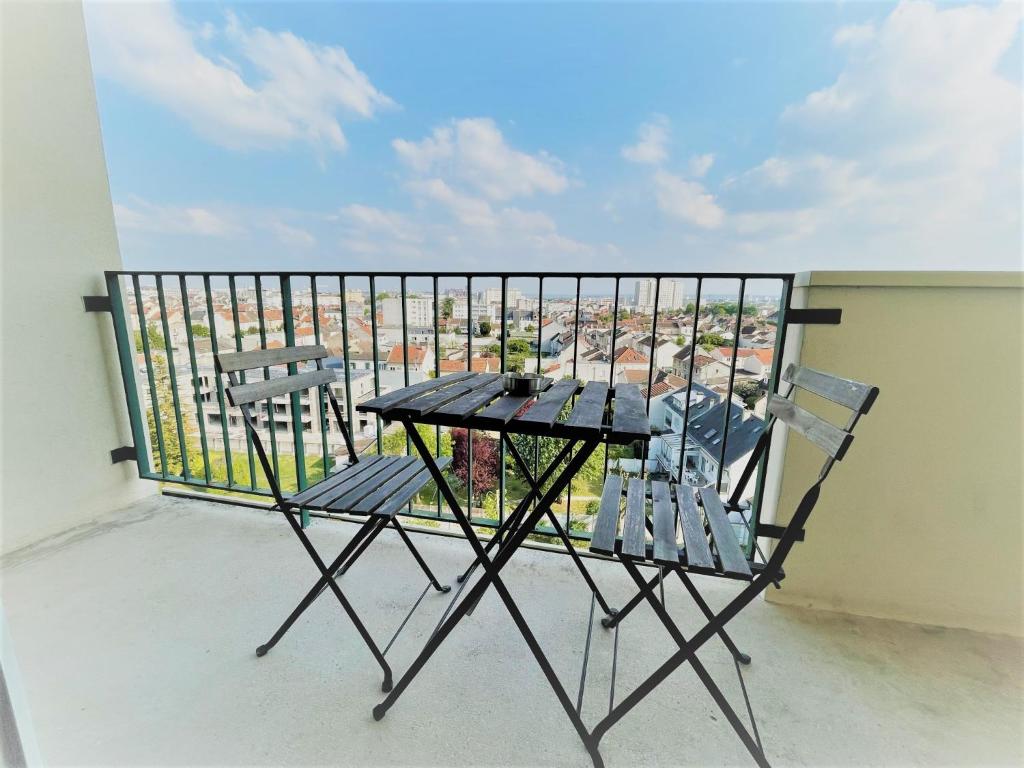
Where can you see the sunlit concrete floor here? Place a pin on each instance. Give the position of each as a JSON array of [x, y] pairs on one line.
[[135, 640]]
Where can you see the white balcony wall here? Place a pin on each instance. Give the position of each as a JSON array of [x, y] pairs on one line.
[[62, 402], [923, 519]]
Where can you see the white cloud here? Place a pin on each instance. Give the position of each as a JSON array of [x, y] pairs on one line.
[[473, 151], [377, 220], [910, 158], [142, 216], [651, 147], [701, 164], [470, 211], [282, 89], [854, 34], [291, 236], [913, 154], [687, 201]]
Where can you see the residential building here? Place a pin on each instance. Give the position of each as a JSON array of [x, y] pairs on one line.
[[419, 311], [670, 295], [419, 359]]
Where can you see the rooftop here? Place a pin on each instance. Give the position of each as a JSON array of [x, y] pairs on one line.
[[180, 592]]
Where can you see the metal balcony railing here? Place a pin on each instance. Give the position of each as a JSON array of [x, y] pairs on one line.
[[169, 325]]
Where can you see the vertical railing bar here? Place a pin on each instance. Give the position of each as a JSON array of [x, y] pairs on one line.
[[437, 373], [376, 363], [321, 392], [173, 377], [540, 335], [295, 398], [214, 349], [232, 290], [785, 299], [157, 422], [266, 373], [540, 319], [650, 368], [405, 353], [405, 361], [469, 367], [732, 379], [194, 367], [611, 357], [125, 345], [689, 384], [503, 352], [349, 408], [576, 329], [575, 350]]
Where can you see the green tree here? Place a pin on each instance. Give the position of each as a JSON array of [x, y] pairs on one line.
[[485, 327], [516, 351], [711, 340], [168, 426], [447, 309], [198, 329], [748, 390], [394, 441], [156, 338]]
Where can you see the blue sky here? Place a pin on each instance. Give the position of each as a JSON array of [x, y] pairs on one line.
[[771, 136]]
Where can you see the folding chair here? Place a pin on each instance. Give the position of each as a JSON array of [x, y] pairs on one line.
[[375, 486], [709, 542]]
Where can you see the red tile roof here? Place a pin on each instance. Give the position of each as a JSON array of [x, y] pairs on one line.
[[629, 355], [416, 355], [480, 365], [766, 356]]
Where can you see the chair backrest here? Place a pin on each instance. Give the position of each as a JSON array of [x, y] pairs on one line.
[[834, 441], [243, 394]]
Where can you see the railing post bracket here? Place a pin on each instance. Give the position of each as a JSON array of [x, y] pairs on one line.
[[97, 304], [814, 316], [124, 453]]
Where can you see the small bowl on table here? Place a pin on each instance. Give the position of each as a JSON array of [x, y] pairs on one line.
[[523, 384]]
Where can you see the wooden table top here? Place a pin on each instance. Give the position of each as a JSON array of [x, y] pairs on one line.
[[480, 401]]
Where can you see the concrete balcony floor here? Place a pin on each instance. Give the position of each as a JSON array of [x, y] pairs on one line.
[[134, 639]]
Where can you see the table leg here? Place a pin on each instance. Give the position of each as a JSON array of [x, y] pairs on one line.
[[492, 569], [566, 542]]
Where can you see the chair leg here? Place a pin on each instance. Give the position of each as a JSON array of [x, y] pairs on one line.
[[419, 559], [381, 525], [737, 654], [343, 601], [336, 568], [567, 543], [615, 617], [705, 677]]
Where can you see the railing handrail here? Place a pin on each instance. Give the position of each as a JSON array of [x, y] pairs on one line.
[[458, 273]]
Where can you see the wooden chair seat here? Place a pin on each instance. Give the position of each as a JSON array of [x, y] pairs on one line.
[[709, 542], [379, 486]]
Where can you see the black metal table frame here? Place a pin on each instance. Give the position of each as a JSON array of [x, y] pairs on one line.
[[518, 527]]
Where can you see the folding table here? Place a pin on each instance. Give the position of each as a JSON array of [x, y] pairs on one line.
[[479, 401]]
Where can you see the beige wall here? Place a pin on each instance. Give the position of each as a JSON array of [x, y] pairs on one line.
[[61, 403], [923, 519]]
